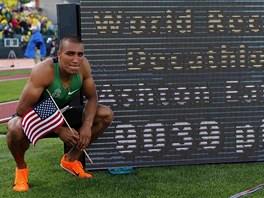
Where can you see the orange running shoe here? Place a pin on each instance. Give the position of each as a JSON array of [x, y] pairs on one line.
[[21, 180], [74, 168]]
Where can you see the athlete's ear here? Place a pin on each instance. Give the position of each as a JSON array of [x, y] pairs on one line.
[[58, 54]]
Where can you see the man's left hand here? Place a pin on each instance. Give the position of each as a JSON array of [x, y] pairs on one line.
[[84, 138]]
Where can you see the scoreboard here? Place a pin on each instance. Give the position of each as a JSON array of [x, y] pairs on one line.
[[184, 79]]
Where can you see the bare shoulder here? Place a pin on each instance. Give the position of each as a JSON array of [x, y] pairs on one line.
[[43, 72], [85, 69]]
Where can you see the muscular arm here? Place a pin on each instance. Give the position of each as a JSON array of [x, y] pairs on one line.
[[40, 77], [89, 91]]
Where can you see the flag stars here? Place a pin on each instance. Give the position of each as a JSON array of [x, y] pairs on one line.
[[45, 109]]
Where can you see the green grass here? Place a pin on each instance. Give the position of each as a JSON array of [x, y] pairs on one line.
[[3, 129], [15, 72], [47, 179], [11, 90]]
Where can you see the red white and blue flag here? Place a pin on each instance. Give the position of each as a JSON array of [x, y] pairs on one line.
[[44, 118]]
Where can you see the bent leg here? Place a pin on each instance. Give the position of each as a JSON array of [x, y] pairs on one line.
[[103, 118], [17, 141], [18, 144]]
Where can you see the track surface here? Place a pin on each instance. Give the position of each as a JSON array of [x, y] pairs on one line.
[[7, 109]]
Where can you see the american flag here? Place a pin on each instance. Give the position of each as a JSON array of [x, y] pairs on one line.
[[44, 118]]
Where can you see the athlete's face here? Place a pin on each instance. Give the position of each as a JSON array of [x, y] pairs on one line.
[[71, 57]]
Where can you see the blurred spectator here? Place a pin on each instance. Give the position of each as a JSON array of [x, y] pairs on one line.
[[36, 46], [25, 39], [15, 24], [48, 46], [51, 47], [8, 32], [15, 21], [24, 26], [55, 47], [7, 13]]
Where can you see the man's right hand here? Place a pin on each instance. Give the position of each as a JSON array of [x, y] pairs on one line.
[[68, 136]]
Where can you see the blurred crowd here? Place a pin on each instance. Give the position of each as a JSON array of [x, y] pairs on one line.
[[17, 22]]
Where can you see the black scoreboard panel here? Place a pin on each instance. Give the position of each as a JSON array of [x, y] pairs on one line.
[[184, 78]]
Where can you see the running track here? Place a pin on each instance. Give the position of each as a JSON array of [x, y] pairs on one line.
[[7, 109]]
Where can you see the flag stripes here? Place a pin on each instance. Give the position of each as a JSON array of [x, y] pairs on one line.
[[41, 120]]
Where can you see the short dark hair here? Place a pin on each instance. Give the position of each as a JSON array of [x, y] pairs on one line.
[[69, 38]]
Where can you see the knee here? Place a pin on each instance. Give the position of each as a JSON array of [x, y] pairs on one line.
[[109, 116], [104, 116], [14, 131]]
